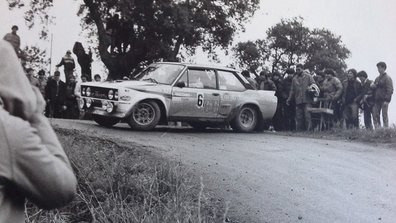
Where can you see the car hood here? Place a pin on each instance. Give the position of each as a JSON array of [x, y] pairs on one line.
[[121, 84]]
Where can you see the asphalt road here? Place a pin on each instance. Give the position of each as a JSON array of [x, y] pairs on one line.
[[271, 178]]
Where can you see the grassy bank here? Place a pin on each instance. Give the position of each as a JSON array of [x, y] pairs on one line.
[[124, 183], [381, 136]]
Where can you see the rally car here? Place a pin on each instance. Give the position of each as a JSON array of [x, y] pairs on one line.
[[201, 95]]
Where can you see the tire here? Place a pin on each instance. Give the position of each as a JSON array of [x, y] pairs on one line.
[[246, 119], [105, 121], [198, 125], [145, 116]]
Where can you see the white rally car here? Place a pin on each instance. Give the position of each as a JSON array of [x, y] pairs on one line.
[[203, 96]]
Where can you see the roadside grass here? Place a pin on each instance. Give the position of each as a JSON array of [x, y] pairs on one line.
[[379, 136], [119, 183]]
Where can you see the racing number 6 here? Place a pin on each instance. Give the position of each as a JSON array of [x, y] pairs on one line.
[[200, 100]]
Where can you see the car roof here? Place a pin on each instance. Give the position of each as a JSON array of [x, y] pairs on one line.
[[212, 66]]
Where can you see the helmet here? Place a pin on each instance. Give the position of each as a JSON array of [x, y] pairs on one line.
[[314, 90]]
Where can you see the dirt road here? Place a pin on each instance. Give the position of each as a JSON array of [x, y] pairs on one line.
[[272, 178]]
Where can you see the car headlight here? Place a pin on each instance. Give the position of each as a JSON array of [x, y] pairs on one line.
[[88, 91], [116, 95], [88, 102], [108, 106], [81, 103], [83, 91], [110, 95]]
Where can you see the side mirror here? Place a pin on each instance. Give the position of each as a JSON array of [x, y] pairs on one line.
[[181, 84]]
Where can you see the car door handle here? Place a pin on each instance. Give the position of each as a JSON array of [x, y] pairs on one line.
[[215, 94]]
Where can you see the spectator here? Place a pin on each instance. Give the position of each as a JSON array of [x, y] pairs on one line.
[[331, 87], [97, 78], [350, 99], [42, 80], [32, 79], [365, 99], [113, 27], [383, 90], [68, 65], [266, 82], [77, 93], [299, 94], [14, 39], [277, 120], [252, 82], [55, 93], [33, 164], [289, 109], [71, 101]]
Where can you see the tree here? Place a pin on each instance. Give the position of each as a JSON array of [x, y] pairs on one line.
[[290, 42], [325, 50], [34, 57], [251, 55], [158, 29]]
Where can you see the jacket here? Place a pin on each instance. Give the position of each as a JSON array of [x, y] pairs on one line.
[[67, 62], [33, 164], [332, 88], [299, 88], [384, 88], [50, 91], [356, 90], [366, 90]]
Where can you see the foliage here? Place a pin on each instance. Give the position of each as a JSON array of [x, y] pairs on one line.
[[123, 183], [34, 57], [158, 29], [289, 43]]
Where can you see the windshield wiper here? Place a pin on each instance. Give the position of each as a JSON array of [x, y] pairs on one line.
[[151, 79]]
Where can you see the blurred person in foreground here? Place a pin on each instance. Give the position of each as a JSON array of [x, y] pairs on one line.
[[383, 90], [33, 164]]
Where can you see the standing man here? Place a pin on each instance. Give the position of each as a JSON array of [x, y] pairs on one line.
[[365, 99], [290, 109], [55, 95], [350, 99], [299, 94], [14, 39], [383, 90], [68, 65]]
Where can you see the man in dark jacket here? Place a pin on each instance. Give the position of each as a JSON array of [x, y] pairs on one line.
[[55, 95], [383, 90], [350, 98], [299, 94], [365, 99]]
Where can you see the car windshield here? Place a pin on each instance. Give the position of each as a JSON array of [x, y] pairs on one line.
[[160, 73]]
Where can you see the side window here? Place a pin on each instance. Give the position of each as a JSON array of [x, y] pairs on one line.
[[203, 79], [184, 78], [228, 81]]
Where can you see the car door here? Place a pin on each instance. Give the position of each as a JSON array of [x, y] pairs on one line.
[[195, 94], [230, 89]]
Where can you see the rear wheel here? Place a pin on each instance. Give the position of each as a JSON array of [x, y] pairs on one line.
[[105, 121], [145, 116], [246, 119]]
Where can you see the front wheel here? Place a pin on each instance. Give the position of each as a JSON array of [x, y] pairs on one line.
[[105, 121], [145, 116], [246, 119]]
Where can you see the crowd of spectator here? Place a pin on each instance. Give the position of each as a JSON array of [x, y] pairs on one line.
[[299, 90]]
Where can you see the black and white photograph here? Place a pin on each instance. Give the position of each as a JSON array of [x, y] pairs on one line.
[[197, 111]]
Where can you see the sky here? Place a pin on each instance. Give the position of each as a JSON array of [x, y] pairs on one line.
[[366, 27]]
